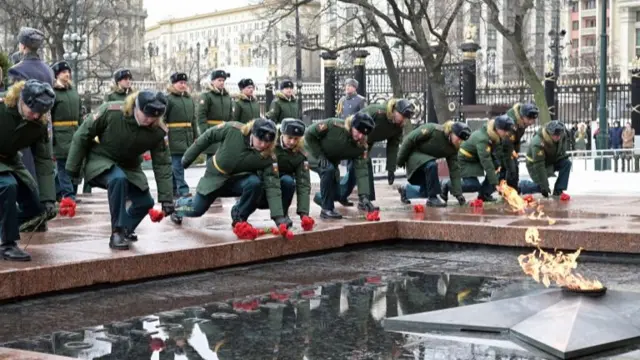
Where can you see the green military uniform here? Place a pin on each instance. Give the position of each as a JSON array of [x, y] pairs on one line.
[[331, 138], [544, 157], [476, 157], [233, 165], [511, 147], [118, 94], [215, 107], [424, 146], [65, 117], [246, 108], [181, 121], [283, 107]]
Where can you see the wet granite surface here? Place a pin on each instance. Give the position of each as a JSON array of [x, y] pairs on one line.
[[325, 307]]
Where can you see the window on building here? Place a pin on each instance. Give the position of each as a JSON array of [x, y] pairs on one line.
[[588, 41], [588, 4], [637, 38], [575, 6], [575, 43], [575, 25], [637, 16], [589, 22]]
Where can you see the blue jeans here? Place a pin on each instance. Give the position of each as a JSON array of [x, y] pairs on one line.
[[424, 183], [29, 162], [329, 187], [64, 184], [472, 184], [563, 167], [13, 191], [180, 186], [288, 189], [348, 182], [247, 187], [119, 189]]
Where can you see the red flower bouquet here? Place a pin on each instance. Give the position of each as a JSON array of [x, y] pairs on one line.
[[307, 223], [67, 207]]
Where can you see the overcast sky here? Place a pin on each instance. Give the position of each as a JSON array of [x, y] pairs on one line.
[[181, 8]]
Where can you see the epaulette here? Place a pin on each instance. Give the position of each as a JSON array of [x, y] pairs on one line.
[[322, 126], [425, 131], [339, 124], [235, 124], [115, 106], [274, 157], [439, 127], [381, 112]]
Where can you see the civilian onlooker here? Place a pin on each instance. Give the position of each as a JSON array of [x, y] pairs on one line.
[[581, 137], [615, 136]]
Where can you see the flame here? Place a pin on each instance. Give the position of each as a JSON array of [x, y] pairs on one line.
[[542, 266]]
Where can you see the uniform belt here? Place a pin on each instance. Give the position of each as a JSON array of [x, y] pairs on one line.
[[179, 125], [466, 153], [65, 123], [529, 159], [214, 122], [215, 164]]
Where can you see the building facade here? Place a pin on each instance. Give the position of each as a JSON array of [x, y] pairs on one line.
[[239, 40]]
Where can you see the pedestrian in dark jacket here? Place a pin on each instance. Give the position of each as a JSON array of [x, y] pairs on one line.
[[615, 136]]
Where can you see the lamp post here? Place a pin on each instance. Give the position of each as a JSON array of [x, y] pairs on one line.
[[491, 66], [75, 42], [556, 46], [151, 51], [198, 66], [603, 133], [298, 61]]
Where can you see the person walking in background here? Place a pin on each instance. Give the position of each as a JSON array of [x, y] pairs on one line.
[[615, 136], [581, 138], [628, 139], [351, 102]]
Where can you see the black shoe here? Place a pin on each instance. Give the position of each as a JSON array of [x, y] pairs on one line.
[[13, 253], [362, 208], [444, 194], [346, 203], [487, 198], [557, 192], [176, 219], [330, 214], [130, 235], [402, 190], [436, 202], [118, 241]]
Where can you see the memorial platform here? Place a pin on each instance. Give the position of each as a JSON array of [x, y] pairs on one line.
[[74, 252]]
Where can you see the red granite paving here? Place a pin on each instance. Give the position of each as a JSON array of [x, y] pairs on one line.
[[75, 253], [13, 354]]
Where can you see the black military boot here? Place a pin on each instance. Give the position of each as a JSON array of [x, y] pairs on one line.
[[235, 216], [130, 235], [444, 192], [487, 198], [12, 252], [346, 203], [402, 190], [330, 214], [118, 240], [176, 219], [557, 192], [435, 201]]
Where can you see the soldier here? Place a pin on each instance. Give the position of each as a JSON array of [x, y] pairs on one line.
[[125, 131], [247, 107], [419, 152], [327, 143], [23, 124], [390, 118], [216, 107], [351, 102], [547, 154], [122, 87], [285, 104], [476, 157], [523, 115], [244, 165], [183, 129], [30, 65], [293, 168], [65, 117]]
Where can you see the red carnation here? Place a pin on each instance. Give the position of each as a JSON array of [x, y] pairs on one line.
[[286, 233], [156, 215], [275, 231], [419, 208], [289, 235], [307, 223], [477, 203], [68, 207], [565, 197], [373, 215], [279, 296], [244, 231], [146, 156], [156, 344], [528, 198]]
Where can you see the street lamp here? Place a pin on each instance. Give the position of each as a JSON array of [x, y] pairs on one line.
[[491, 65], [556, 46], [151, 52], [74, 42]]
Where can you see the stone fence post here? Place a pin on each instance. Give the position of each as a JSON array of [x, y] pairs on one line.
[[359, 70], [329, 61]]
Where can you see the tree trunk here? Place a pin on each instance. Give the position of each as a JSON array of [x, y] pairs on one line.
[[532, 80], [439, 89]]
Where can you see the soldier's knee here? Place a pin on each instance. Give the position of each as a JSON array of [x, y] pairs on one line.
[[252, 182], [287, 182], [431, 165], [8, 185], [146, 203]]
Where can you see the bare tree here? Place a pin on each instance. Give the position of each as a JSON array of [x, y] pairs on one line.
[[510, 22], [585, 65]]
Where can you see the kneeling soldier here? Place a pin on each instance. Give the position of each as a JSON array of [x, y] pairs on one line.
[[113, 141], [327, 143], [419, 152], [546, 155], [24, 125], [476, 157], [183, 129], [244, 166], [523, 116], [292, 167]]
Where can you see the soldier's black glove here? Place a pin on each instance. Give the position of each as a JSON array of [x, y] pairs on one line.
[[545, 193], [461, 200], [323, 162], [283, 220], [391, 176], [168, 208], [365, 203], [184, 163], [50, 209], [73, 175]]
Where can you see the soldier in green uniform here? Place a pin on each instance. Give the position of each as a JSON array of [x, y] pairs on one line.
[[293, 168], [547, 154], [419, 152], [244, 165], [285, 104], [113, 141], [122, 87], [215, 107], [523, 115], [65, 116], [327, 143], [476, 158], [390, 118], [246, 107], [24, 125], [183, 129]]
